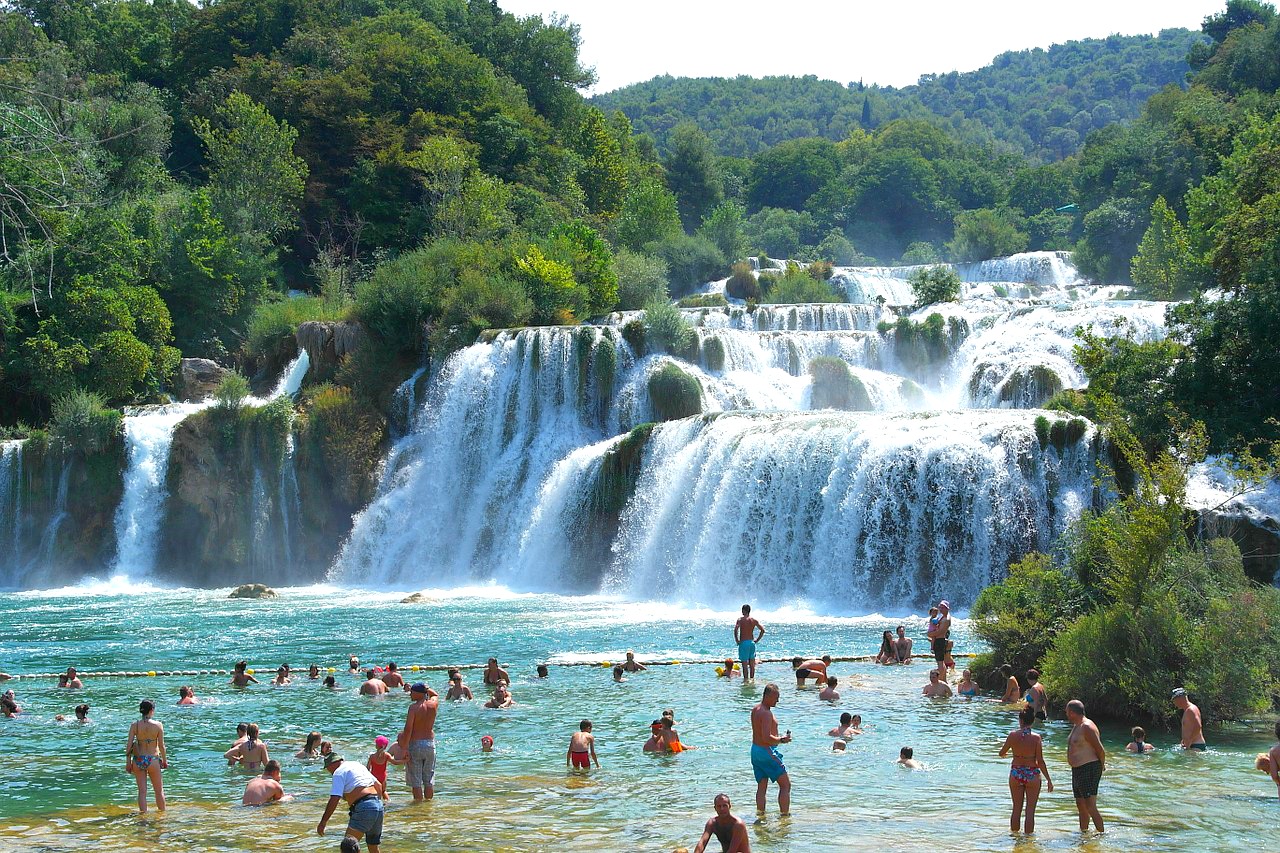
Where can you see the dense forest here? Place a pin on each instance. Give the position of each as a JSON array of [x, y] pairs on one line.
[[1038, 102]]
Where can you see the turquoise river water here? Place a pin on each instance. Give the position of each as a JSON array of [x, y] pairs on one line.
[[65, 788]]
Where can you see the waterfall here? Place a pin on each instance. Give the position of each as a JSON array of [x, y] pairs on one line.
[[148, 432], [816, 317], [49, 538], [10, 512], [1029, 274], [867, 509]]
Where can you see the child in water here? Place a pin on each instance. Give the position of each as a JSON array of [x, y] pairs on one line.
[[906, 757], [1140, 744], [378, 761], [582, 748]]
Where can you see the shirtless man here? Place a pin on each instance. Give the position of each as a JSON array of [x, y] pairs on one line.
[[265, 788], [373, 686], [582, 748], [1192, 724], [493, 674], [392, 677], [729, 830], [1036, 696], [939, 631], [907, 759], [766, 761], [457, 691], [1088, 760], [240, 676], [187, 696], [902, 645], [633, 665], [1273, 758], [815, 668], [418, 740], [354, 783], [656, 742], [850, 725], [829, 693], [936, 688], [501, 697], [73, 680], [747, 631]]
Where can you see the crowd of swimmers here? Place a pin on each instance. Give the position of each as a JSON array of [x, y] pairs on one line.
[[363, 785]]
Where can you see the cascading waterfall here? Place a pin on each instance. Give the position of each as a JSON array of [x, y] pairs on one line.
[[10, 511], [1023, 275]]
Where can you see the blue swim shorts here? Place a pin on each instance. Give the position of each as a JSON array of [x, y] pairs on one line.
[[366, 817], [746, 650], [766, 761]]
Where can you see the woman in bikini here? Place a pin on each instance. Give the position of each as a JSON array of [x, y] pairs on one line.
[[310, 749], [1024, 772], [886, 653], [251, 754], [145, 756], [967, 686]]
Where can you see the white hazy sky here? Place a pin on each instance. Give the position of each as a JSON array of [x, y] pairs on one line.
[[890, 43]]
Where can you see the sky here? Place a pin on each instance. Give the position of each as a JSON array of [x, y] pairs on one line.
[[890, 43]]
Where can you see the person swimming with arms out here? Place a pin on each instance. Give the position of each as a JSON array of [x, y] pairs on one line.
[[240, 676], [582, 748]]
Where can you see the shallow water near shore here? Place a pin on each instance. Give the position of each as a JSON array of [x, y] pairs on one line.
[[66, 788]]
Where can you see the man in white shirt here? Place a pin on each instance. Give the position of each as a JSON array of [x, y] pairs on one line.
[[354, 783]]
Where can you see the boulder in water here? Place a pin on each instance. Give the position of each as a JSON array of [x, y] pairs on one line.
[[199, 378], [418, 598], [253, 590], [674, 393]]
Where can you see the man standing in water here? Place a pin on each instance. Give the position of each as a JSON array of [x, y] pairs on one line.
[[747, 631], [354, 783], [1088, 760], [729, 830], [766, 761], [939, 631], [418, 739], [1192, 724]]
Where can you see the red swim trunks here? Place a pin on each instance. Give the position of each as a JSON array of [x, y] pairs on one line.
[[580, 759]]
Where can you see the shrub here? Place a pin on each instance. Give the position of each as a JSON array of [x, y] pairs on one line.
[[347, 436], [713, 353], [691, 261], [1076, 429], [1058, 435], [480, 300], [986, 233], [935, 284], [1042, 431], [641, 279], [674, 393], [231, 392], [633, 334], [836, 248], [835, 386], [666, 328], [742, 283], [399, 298], [273, 324], [703, 300], [797, 286], [919, 345], [920, 253], [83, 422], [120, 361], [820, 270]]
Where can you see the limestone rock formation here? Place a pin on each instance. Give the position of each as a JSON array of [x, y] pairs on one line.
[[253, 590], [199, 377]]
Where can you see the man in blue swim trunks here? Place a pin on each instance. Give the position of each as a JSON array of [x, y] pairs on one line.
[[747, 631], [766, 761]]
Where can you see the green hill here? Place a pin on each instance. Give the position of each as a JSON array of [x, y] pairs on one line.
[[1039, 102]]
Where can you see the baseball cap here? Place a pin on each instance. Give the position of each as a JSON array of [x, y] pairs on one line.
[[418, 688], [332, 758]]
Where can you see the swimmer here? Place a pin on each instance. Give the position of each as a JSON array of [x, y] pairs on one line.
[[1139, 744], [1011, 688], [582, 748], [967, 686], [766, 760], [493, 674], [457, 691], [73, 680], [936, 688], [313, 672], [747, 631], [1192, 724], [501, 697], [1024, 772], [829, 693], [727, 671], [282, 677], [542, 670], [902, 645], [310, 748], [938, 632], [353, 664], [1088, 760], [356, 785], [656, 741], [886, 653], [729, 830], [251, 754], [1036, 696], [617, 674], [486, 743], [326, 747], [242, 735], [669, 736], [331, 682], [378, 761], [145, 756], [187, 696], [906, 758], [240, 676], [373, 686], [392, 677], [81, 712], [850, 725], [633, 665], [9, 707], [837, 746], [265, 788], [815, 668], [418, 740]]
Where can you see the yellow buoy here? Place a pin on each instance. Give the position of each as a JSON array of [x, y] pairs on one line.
[[674, 662], [331, 669], [719, 670], [151, 673], [415, 667], [251, 672]]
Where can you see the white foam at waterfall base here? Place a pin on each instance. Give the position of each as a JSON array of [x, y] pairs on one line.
[[869, 510]]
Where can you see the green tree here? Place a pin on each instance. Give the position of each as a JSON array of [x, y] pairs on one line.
[[555, 294], [787, 174], [581, 248], [1165, 264], [985, 233], [724, 227], [641, 279], [648, 213], [692, 174], [935, 284], [603, 175]]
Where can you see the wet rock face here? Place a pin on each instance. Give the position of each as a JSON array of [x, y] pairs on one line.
[[1259, 542], [198, 378], [253, 590], [328, 343]]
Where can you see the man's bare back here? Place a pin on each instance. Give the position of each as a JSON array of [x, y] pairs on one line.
[[261, 791]]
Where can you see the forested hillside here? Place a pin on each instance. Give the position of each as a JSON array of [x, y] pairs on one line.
[[1038, 102]]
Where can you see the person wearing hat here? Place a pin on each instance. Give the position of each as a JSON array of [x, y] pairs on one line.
[[656, 742], [938, 633], [378, 761], [356, 785], [1192, 724], [418, 740]]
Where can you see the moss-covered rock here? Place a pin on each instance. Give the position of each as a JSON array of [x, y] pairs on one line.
[[835, 386], [921, 346], [1030, 387], [253, 591], [713, 353], [633, 334], [674, 393]]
